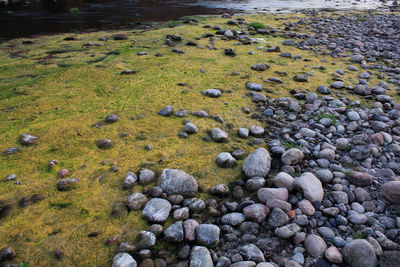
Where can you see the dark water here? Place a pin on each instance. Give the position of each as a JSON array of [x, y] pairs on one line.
[[34, 17]]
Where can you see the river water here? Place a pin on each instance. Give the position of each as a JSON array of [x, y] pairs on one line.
[[33, 17]]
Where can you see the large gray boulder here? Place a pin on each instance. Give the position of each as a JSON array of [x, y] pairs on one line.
[[257, 163], [311, 186], [177, 182], [157, 210], [123, 260], [200, 257], [360, 253]]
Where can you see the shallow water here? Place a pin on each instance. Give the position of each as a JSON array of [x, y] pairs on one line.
[[52, 16]]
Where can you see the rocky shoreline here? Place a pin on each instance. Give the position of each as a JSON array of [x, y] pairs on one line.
[[335, 200], [322, 186]]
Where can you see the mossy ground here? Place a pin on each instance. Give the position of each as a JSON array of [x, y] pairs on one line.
[[58, 90]]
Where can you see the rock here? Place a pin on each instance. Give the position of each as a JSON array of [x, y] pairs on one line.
[[311, 187], [277, 218], [190, 128], [6, 254], [111, 118], [10, 177], [389, 259], [360, 253], [289, 42], [136, 201], [62, 173], [219, 135], [337, 85], [324, 175], [254, 184], [28, 140], [252, 253], [129, 180], [257, 163], [254, 86], [212, 93], [292, 156], [306, 207], [322, 89], [181, 214], [225, 160], [287, 231], [145, 240], [167, 111], [300, 78], [233, 219], [260, 66], [256, 130], [67, 184], [285, 180], [207, 235], [200, 257], [256, 212], [146, 176], [190, 229], [333, 255], [123, 260], [243, 264], [360, 178], [157, 210], [12, 150], [174, 181], [128, 72], [327, 154], [265, 194], [174, 233], [220, 190], [391, 191], [315, 245], [104, 143], [357, 58], [243, 132]]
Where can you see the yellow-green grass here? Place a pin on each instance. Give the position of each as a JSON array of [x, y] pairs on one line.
[[61, 98]]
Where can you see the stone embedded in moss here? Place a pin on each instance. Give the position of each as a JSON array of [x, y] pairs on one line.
[[67, 184]]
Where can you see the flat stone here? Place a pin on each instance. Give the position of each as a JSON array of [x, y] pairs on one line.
[[157, 210], [174, 181], [233, 219], [252, 253]]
